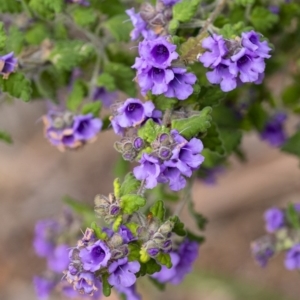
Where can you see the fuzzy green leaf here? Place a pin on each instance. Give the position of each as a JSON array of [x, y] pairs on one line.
[[76, 96], [291, 96], [293, 216], [106, 287], [133, 227], [292, 145], [92, 108], [84, 16], [212, 140], [101, 235], [131, 203], [158, 210], [193, 237], [192, 126], [231, 139], [178, 226], [262, 19], [151, 130], [129, 185], [5, 137], [107, 81], [162, 103], [119, 27], [8, 6], [15, 40], [134, 252], [2, 36], [185, 10], [150, 267], [117, 223], [164, 259], [210, 96]]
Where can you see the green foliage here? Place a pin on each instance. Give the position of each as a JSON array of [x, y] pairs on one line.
[[212, 140], [210, 96], [193, 237], [199, 219], [101, 235], [162, 103], [292, 145], [7, 6], [119, 28], [106, 287], [291, 96], [178, 226], [192, 48], [230, 31], [92, 108], [5, 137], [117, 223], [76, 96], [121, 167], [133, 227], [108, 7], [257, 116], [84, 16], [231, 139], [164, 259], [17, 86], [46, 8], [107, 81], [36, 34], [69, 54], [158, 210], [293, 216], [131, 203], [192, 126], [134, 252], [2, 36], [244, 2], [151, 130], [185, 10], [123, 76], [150, 267], [129, 185], [15, 40], [262, 19]]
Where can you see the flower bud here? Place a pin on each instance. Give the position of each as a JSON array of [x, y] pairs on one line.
[[153, 251], [147, 12], [166, 228], [138, 143], [116, 240], [165, 153]]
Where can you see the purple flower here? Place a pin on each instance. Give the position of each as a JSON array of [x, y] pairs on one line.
[[59, 259], [262, 250], [274, 132], [95, 256], [211, 175], [86, 127], [43, 287], [126, 234], [106, 97], [180, 86], [274, 9], [123, 272], [131, 113], [155, 79], [8, 64], [140, 26], [173, 177], [129, 292], [217, 51], [86, 283], [170, 2], [274, 218], [80, 2], [45, 232], [251, 41], [182, 261], [148, 170], [292, 258]]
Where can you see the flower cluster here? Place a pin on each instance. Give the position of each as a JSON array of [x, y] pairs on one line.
[[273, 131], [8, 64], [282, 225], [155, 73], [235, 61], [173, 158], [68, 131]]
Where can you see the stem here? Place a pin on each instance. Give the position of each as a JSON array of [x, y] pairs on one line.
[[93, 81], [213, 16], [141, 189], [186, 199], [167, 117]]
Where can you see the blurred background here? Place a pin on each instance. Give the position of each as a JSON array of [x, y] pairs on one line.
[[35, 176]]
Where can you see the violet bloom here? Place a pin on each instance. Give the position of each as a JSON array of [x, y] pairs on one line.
[[180, 86], [292, 258], [45, 232], [158, 53], [86, 127], [86, 283], [274, 218], [155, 79], [262, 252], [221, 75], [43, 287], [217, 51], [95, 256], [251, 41], [148, 170], [274, 132], [170, 2], [132, 113], [126, 234], [140, 26], [173, 177], [106, 97], [59, 260], [274, 9], [123, 272], [80, 2], [129, 292], [8, 64]]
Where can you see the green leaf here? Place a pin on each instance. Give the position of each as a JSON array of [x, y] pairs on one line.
[[162, 103], [17, 85], [231, 31], [262, 19], [291, 96], [117, 188], [192, 126], [231, 139], [131, 203], [150, 130], [210, 96], [55, 5], [164, 259], [258, 116], [244, 2], [84, 16], [134, 252], [150, 267], [119, 27], [76, 96], [7, 6], [293, 216], [107, 81], [108, 7], [199, 219], [2, 36], [178, 226], [5, 137], [195, 238], [106, 287], [98, 231], [117, 223], [160, 286], [36, 34], [158, 210], [123, 76], [185, 10], [133, 227], [129, 185], [292, 145], [92, 108], [15, 40], [212, 140]]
